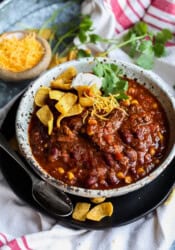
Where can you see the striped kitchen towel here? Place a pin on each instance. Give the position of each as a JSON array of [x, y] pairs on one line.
[[158, 14]]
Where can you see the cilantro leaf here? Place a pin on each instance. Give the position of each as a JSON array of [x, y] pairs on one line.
[[159, 49], [83, 53], [159, 42], [163, 36], [121, 85], [133, 46], [98, 70], [86, 23], [146, 60], [112, 82], [145, 46], [140, 28], [121, 96], [82, 36], [94, 38]]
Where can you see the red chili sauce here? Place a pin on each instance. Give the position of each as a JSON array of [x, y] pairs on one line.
[[102, 154]]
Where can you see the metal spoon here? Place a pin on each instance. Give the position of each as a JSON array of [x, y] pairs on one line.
[[54, 201]]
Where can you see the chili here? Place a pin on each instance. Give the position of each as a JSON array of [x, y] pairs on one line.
[[103, 154]]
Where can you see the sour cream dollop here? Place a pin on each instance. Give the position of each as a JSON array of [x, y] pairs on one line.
[[86, 79]]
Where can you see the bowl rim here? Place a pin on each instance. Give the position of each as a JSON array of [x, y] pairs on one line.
[[79, 190]]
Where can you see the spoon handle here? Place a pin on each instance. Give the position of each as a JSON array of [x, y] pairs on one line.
[[7, 148], [51, 199]]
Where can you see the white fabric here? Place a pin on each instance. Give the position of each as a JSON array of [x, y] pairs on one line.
[[152, 232]]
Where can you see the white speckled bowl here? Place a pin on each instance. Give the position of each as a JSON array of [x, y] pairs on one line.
[[150, 80]]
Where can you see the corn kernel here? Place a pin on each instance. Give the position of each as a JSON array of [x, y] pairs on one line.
[[70, 175], [120, 175], [92, 122], [131, 90], [90, 131], [160, 136], [155, 106], [128, 179], [152, 151], [134, 102], [140, 170], [126, 102], [157, 161], [61, 170]]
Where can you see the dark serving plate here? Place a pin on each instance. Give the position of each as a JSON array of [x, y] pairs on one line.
[[127, 208]]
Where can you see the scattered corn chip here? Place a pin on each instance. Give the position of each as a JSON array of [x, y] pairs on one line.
[[86, 101], [56, 94], [59, 84], [72, 54], [86, 90], [63, 80], [41, 96], [75, 110], [50, 126], [82, 89], [100, 211], [68, 74], [48, 34], [97, 200], [80, 211], [65, 103], [54, 61], [86, 94], [46, 117]]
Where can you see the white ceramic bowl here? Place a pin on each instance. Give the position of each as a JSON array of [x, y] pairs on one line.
[[41, 66], [150, 81]]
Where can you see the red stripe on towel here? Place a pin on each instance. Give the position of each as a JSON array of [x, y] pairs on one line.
[[4, 237], [141, 4], [120, 15], [160, 18], [155, 26], [14, 245], [164, 5], [170, 44], [23, 238], [1, 243], [117, 31], [133, 10]]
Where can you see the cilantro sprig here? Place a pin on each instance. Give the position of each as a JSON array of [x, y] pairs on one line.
[[112, 79], [148, 46], [83, 31], [141, 44]]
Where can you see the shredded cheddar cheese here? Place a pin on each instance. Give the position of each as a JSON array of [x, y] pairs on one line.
[[18, 55], [103, 106]]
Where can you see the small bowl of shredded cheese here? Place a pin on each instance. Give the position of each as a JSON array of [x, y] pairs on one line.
[[23, 55]]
